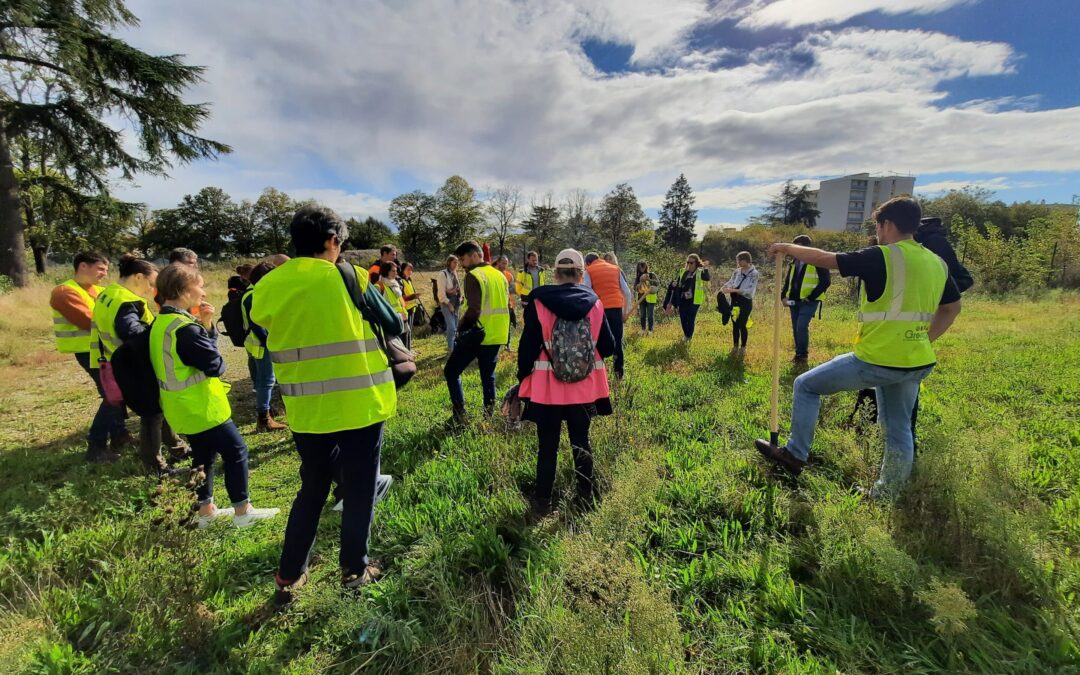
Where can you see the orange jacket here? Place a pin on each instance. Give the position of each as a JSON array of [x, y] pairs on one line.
[[69, 303], [605, 282]]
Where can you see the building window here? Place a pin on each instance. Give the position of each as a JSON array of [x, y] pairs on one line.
[[857, 195], [855, 184], [854, 216], [856, 206]]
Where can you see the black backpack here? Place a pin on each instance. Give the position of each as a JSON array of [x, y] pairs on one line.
[[232, 317], [135, 375]]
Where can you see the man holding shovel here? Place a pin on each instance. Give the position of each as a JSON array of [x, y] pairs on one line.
[[907, 301]]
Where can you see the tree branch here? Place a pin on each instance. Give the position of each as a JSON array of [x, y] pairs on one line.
[[33, 62]]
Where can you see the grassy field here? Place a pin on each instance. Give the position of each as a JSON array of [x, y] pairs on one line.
[[699, 558]]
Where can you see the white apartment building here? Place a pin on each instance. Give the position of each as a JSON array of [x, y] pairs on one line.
[[846, 202]]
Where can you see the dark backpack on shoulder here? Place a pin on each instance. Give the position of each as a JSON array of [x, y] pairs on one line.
[[571, 349], [232, 317], [135, 375]]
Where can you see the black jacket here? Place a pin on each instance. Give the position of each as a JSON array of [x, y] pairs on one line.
[[566, 301], [933, 235]]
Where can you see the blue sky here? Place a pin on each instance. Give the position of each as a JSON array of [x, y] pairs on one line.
[[353, 103]]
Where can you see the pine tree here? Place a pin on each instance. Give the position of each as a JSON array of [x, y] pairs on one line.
[[94, 76], [792, 206], [542, 225], [678, 216], [620, 215]]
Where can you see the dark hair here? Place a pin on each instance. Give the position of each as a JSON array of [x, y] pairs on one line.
[[244, 269], [466, 248], [402, 267], [132, 264], [384, 268], [745, 255], [591, 258], [905, 212], [531, 254], [174, 280], [803, 240], [313, 226], [260, 271], [387, 248], [90, 258], [642, 268], [182, 255]]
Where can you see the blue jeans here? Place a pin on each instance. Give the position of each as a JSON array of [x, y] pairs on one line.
[[353, 457], [688, 318], [224, 440], [801, 314], [450, 314], [109, 419], [896, 393], [263, 380], [487, 356]]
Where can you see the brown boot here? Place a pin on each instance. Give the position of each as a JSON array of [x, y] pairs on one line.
[[267, 423], [781, 456]]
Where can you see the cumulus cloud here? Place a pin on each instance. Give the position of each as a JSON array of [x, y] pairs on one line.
[[360, 94], [793, 13]]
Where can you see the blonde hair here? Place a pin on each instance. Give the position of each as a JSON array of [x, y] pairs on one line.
[[175, 279], [694, 258]]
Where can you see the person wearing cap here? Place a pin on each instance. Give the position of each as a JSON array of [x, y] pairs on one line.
[[803, 292], [550, 401], [484, 328], [603, 277], [908, 300]]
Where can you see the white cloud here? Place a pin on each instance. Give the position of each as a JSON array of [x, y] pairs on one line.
[[793, 13], [937, 187], [354, 95]]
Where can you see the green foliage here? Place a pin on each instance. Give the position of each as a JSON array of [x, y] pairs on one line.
[[619, 216], [369, 233], [457, 212], [791, 206], [677, 216], [542, 228], [414, 213]]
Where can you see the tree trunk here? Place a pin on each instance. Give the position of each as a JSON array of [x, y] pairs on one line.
[[12, 245], [39, 257]]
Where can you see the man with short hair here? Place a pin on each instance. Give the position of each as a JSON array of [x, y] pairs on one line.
[[337, 387], [607, 281], [803, 292], [484, 328], [908, 300], [185, 256], [531, 276], [72, 305], [388, 253]]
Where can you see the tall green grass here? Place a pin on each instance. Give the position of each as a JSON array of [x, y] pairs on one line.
[[698, 558]]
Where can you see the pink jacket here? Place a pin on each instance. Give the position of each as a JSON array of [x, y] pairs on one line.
[[541, 385]]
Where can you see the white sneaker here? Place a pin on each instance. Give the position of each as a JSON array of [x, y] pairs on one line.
[[253, 516], [206, 521], [382, 486]]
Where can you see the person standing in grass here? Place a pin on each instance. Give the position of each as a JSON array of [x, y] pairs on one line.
[[120, 313], [261, 364], [690, 294], [646, 285], [502, 263], [485, 328], [551, 397], [803, 292], [604, 278], [450, 300], [337, 387], [194, 400], [390, 287], [907, 301], [741, 288], [531, 276], [410, 298], [72, 305]]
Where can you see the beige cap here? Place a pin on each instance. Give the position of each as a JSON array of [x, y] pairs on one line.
[[576, 261]]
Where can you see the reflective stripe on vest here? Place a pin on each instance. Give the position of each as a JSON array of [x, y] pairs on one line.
[[494, 304], [102, 340], [70, 339], [192, 401], [332, 374], [809, 281], [894, 328]]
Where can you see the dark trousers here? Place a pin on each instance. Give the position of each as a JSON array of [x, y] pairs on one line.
[[868, 398], [647, 311], [577, 427], [802, 312], [615, 321], [688, 318], [153, 429], [486, 356], [109, 419], [224, 440], [353, 456], [738, 327]]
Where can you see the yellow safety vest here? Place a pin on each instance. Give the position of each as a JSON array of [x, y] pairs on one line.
[[494, 304], [699, 288], [809, 282], [392, 298], [192, 401], [894, 328], [525, 281], [408, 289], [333, 375], [70, 339], [252, 344], [103, 338]]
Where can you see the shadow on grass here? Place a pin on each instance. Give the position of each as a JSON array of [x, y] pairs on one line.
[[662, 356]]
